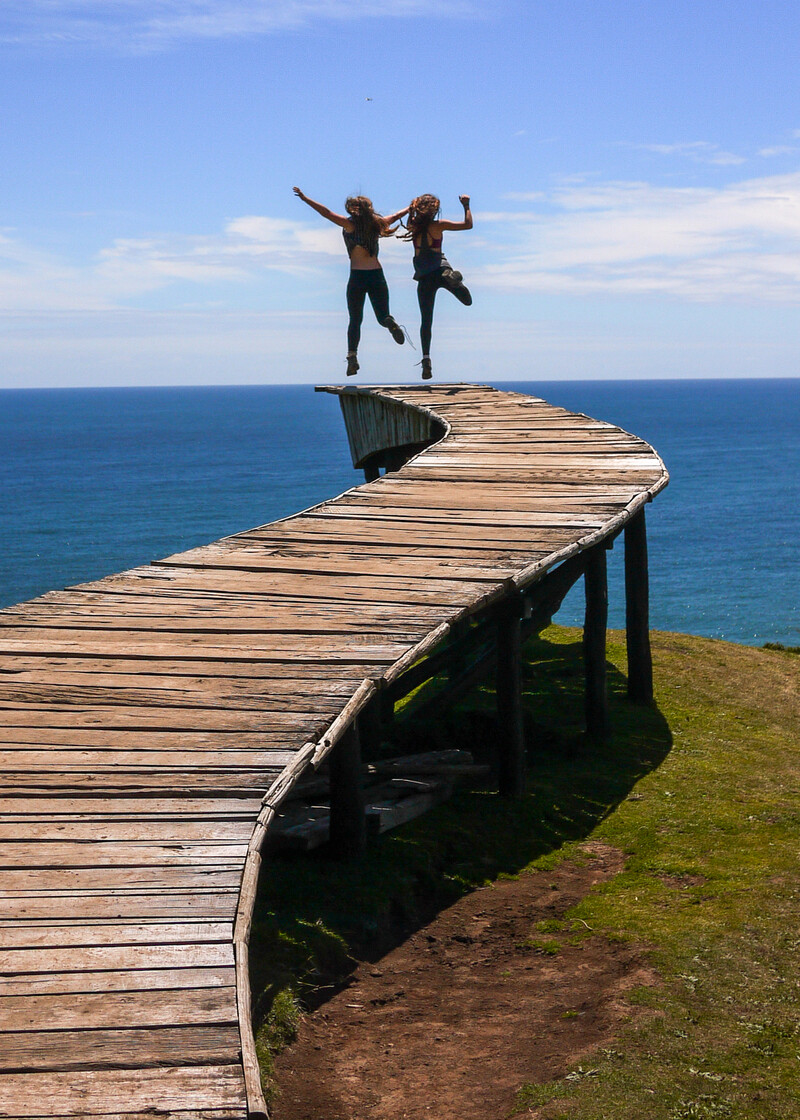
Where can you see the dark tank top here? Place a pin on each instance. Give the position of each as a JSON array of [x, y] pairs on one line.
[[428, 258]]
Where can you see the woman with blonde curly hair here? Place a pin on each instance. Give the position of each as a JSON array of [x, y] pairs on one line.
[[432, 270], [362, 230]]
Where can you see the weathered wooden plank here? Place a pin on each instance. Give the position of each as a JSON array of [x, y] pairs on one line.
[[137, 598], [139, 685], [166, 1114], [95, 1010], [384, 541], [145, 688], [115, 830], [68, 807], [138, 853], [140, 782], [357, 521], [134, 643], [363, 589], [160, 719], [132, 906], [106, 980], [330, 618], [116, 1049], [326, 674], [448, 552], [546, 439], [446, 515], [262, 615], [16, 882], [116, 1091], [87, 958], [506, 494], [531, 475], [46, 759], [247, 556], [127, 738], [114, 933]]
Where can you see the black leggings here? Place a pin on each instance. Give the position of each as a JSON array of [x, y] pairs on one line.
[[365, 282], [427, 287]]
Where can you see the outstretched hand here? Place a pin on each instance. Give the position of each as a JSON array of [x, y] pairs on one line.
[[462, 198], [299, 193]]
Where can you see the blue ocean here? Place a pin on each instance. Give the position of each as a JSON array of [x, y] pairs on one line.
[[93, 481]]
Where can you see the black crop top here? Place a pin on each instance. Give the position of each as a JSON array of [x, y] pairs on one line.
[[353, 239]]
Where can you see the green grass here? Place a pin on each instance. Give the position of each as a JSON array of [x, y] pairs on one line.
[[701, 793]]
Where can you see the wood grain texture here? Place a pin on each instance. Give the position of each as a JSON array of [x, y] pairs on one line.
[[152, 722]]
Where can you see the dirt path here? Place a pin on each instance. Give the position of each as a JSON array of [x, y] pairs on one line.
[[453, 1021]]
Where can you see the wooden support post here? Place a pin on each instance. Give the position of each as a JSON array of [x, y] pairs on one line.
[[395, 458], [348, 828], [372, 471], [511, 741], [637, 612], [594, 642], [386, 702], [457, 663], [370, 729]]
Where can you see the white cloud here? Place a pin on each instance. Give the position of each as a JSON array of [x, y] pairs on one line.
[[246, 247], [243, 252], [699, 151], [154, 24], [30, 278], [736, 243], [778, 150], [740, 242]]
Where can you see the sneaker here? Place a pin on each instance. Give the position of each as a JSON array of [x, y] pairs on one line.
[[427, 372], [395, 330], [454, 282], [352, 365]]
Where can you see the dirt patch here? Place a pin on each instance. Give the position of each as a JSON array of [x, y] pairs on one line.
[[453, 1021], [682, 881]]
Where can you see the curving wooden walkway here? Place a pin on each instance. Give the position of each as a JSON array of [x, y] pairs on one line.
[[145, 715]]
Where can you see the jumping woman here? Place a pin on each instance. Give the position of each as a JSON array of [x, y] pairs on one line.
[[432, 270], [362, 230]]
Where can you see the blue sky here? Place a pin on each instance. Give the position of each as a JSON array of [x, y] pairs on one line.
[[634, 167]]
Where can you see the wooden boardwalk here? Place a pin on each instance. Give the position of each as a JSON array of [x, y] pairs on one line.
[[152, 720]]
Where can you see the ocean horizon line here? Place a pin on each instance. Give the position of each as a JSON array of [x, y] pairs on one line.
[[713, 380]]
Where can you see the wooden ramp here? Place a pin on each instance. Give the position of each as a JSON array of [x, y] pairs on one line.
[[153, 720]]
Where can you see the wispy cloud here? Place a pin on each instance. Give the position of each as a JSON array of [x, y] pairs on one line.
[[737, 243], [155, 24], [244, 251], [778, 150], [246, 247], [699, 151], [740, 242]]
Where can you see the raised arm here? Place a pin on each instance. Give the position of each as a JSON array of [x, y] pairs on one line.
[[467, 223], [392, 218], [337, 219]]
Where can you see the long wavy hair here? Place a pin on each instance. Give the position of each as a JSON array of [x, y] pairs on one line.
[[368, 226], [424, 210]]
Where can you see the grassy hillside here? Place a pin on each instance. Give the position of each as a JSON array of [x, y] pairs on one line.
[[700, 792]]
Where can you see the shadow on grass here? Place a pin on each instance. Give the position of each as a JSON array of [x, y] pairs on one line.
[[313, 914]]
